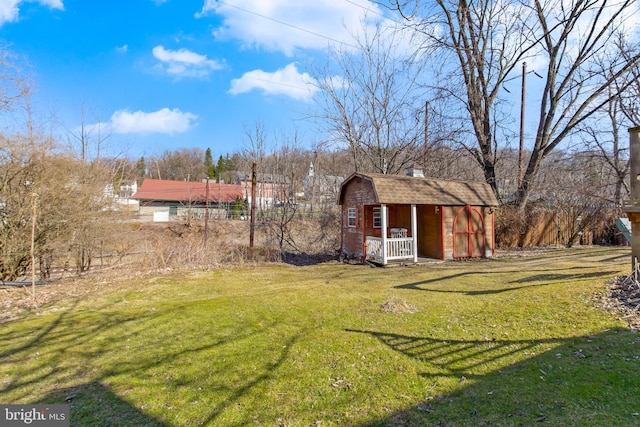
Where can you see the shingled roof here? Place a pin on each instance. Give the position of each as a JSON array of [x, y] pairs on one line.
[[186, 191], [405, 190]]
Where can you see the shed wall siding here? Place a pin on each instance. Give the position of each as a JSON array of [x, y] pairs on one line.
[[356, 194], [429, 238]]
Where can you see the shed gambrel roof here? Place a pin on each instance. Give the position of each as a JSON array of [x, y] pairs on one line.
[[406, 190]]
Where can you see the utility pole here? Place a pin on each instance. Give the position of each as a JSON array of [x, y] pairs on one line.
[[206, 211], [522, 102], [33, 244], [252, 225], [426, 134]]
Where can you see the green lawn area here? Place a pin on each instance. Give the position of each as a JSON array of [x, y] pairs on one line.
[[503, 342]]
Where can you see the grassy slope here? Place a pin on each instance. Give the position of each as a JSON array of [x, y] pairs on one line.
[[495, 342]]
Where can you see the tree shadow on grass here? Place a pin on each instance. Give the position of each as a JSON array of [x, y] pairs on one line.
[[95, 404], [584, 380], [34, 355], [615, 258], [549, 277], [455, 357], [543, 279]]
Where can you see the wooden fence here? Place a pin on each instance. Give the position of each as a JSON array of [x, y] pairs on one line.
[[544, 227]]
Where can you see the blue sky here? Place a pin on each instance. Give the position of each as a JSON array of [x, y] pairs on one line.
[[168, 74], [162, 75]]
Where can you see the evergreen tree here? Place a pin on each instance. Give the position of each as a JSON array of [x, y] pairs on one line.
[[221, 167], [239, 208], [141, 169], [209, 167]]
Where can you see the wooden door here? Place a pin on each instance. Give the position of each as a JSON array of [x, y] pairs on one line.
[[468, 233]]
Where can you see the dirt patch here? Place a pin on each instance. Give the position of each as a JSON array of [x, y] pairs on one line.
[[398, 306]]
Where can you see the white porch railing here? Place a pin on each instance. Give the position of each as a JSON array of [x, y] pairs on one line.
[[397, 248]]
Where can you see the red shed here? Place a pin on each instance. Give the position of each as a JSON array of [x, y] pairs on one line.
[[392, 217]]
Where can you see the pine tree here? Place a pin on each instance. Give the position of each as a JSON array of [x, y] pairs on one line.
[[221, 167], [141, 169], [209, 167], [239, 207]]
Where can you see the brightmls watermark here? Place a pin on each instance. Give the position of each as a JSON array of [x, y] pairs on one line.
[[34, 415]]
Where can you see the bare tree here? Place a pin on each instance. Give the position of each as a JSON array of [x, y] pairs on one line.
[[72, 215], [575, 39], [14, 83], [474, 47], [186, 164], [374, 108], [90, 141], [256, 147], [576, 189], [253, 152], [279, 220], [611, 146], [490, 38], [621, 111], [18, 167]]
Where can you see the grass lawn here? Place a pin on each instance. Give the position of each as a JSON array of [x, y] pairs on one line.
[[493, 342]]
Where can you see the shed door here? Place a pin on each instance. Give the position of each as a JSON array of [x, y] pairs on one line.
[[468, 233]]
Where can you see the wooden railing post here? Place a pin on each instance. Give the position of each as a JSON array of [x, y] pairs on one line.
[[383, 234], [414, 232]]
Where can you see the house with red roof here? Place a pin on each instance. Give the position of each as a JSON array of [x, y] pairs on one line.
[[166, 199]]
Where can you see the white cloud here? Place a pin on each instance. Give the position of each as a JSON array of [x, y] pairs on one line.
[[9, 9], [53, 4], [123, 49], [287, 81], [285, 25], [162, 121], [184, 63]]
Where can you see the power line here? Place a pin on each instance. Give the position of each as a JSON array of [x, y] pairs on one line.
[[296, 27], [286, 24], [367, 8]]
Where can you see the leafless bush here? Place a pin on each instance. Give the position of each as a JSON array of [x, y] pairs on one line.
[[174, 245], [181, 246]]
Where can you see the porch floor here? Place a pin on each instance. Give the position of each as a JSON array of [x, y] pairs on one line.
[[405, 262]]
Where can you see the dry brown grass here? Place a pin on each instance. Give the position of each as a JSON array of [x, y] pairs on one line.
[[161, 248]]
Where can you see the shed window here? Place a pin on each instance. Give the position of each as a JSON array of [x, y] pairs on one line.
[[377, 218], [351, 217]]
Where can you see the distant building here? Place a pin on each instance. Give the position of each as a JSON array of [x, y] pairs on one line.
[[271, 189], [122, 195], [180, 198], [321, 187]]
